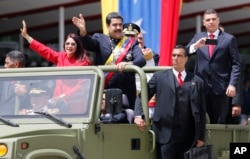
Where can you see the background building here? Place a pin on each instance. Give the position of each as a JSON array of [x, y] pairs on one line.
[[50, 20]]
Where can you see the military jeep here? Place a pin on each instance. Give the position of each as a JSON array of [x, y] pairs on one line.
[[71, 128], [73, 133]]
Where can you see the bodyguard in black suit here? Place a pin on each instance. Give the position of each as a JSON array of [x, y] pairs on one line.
[[104, 45], [179, 117], [220, 69]]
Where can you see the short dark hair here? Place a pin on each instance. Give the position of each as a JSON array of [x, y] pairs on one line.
[[17, 56], [211, 11], [112, 15], [182, 47]]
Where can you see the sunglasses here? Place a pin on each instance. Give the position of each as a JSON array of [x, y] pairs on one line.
[[72, 44]]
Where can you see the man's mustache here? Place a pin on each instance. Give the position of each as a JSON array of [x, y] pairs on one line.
[[118, 30]]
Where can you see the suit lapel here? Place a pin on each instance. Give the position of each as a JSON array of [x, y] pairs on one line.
[[205, 48], [171, 79], [205, 52], [220, 39], [190, 82]]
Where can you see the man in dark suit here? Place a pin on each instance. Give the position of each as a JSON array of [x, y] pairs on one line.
[[114, 49], [179, 118], [13, 94], [218, 65]]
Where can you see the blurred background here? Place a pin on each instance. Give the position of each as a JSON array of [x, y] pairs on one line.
[[50, 20]]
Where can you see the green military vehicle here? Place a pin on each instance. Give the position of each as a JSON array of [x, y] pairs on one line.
[[70, 128], [67, 134]]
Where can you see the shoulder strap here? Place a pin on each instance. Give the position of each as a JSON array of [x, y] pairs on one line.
[[123, 53], [120, 51]]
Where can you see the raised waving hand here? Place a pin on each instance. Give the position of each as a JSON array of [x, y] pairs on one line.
[[79, 22], [24, 32]]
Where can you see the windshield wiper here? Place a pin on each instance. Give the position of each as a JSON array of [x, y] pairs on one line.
[[55, 118], [8, 122]]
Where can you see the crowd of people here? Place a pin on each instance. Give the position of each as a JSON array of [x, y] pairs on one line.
[[179, 99]]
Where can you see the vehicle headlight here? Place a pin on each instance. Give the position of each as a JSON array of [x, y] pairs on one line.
[[3, 149]]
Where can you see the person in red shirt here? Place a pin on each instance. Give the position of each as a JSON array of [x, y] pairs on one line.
[[73, 55]]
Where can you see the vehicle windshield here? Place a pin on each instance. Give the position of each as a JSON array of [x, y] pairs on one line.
[[53, 94]]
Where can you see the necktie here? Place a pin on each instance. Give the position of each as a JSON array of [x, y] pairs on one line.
[[179, 79], [211, 47]]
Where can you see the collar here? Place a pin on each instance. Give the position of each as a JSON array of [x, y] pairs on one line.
[[114, 40], [216, 33], [183, 74]]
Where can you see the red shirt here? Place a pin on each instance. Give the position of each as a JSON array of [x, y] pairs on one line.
[[67, 88], [58, 58]]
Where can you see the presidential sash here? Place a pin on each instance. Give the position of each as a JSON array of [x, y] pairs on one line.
[[118, 55]]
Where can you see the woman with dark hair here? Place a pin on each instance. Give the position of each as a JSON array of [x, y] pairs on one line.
[[73, 55]]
